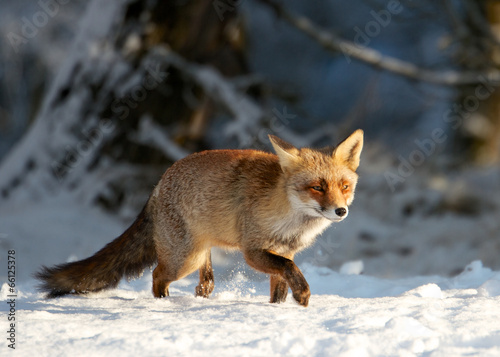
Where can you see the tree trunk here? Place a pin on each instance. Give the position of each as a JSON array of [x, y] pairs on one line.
[[110, 86], [478, 106]]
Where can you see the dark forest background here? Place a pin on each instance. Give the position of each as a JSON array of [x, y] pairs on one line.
[[98, 98]]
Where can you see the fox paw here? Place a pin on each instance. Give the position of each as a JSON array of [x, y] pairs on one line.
[[302, 297], [204, 290]]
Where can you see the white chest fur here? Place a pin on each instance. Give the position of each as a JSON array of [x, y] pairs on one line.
[[313, 230], [296, 234]]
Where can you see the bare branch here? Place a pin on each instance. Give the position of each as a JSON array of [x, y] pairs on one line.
[[152, 134], [246, 112], [332, 42]]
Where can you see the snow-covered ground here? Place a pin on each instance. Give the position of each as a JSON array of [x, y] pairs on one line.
[[350, 314]]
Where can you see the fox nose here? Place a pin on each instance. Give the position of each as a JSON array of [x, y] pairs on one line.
[[341, 212]]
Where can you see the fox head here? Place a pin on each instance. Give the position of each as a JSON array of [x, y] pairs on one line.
[[321, 183]]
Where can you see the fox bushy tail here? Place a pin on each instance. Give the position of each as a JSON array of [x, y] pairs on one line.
[[128, 255]]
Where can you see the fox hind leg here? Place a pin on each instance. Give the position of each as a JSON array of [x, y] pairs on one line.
[[172, 267], [206, 285], [161, 281]]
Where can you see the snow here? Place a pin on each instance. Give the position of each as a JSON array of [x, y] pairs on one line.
[[355, 267], [348, 315], [351, 312]]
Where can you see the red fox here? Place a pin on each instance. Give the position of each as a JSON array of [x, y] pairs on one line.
[[268, 206]]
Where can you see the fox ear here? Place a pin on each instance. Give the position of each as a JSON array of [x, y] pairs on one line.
[[287, 153], [349, 150]]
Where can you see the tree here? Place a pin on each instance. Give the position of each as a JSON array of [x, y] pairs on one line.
[[141, 82], [476, 114]]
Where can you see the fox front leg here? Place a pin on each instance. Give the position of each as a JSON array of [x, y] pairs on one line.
[[206, 285], [279, 289], [279, 286], [271, 263]]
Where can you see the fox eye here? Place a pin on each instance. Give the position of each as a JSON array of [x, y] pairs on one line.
[[345, 187], [317, 188]]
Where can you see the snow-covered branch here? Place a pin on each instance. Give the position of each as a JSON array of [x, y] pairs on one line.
[[333, 42], [248, 115], [152, 134], [246, 112]]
